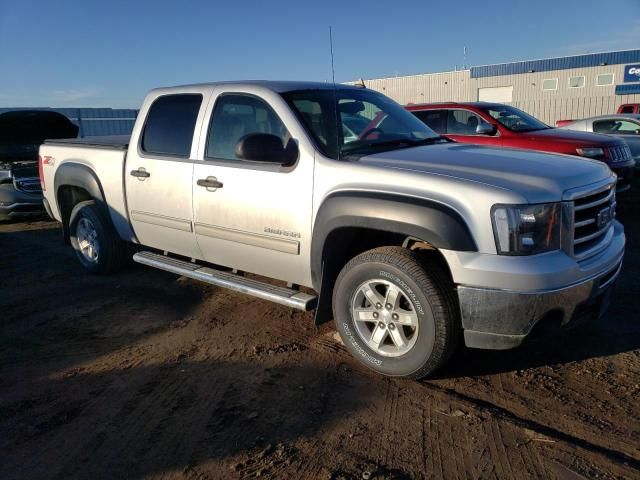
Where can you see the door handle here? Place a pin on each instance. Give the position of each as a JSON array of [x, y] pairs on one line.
[[209, 182], [140, 173]]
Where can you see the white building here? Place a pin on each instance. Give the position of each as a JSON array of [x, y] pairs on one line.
[[550, 89]]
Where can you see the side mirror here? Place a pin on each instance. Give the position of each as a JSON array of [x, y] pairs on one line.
[[266, 148], [485, 128]]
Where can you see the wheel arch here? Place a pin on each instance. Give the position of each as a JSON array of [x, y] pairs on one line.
[[349, 223], [74, 183]]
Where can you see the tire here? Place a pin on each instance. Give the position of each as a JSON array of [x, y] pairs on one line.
[[98, 247], [422, 327]]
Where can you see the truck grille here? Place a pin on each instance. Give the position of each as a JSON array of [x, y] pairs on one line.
[[593, 216], [621, 153], [28, 185]]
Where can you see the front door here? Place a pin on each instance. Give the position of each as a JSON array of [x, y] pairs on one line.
[[158, 175], [252, 216], [462, 125]]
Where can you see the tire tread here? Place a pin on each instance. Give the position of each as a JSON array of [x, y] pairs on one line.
[[435, 284]]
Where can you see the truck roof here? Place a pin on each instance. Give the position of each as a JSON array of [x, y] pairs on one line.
[[279, 86]]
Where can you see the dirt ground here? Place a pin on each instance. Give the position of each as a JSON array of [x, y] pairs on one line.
[[146, 375]]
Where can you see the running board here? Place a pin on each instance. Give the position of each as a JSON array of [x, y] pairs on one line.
[[282, 295]]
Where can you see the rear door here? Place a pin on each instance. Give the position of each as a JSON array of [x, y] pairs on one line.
[[158, 173], [258, 216], [436, 120]]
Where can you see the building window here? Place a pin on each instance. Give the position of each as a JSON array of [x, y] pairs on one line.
[[604, 79], [550, 84], [576, 82]]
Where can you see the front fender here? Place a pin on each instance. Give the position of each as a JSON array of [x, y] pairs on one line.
[[432, 222]]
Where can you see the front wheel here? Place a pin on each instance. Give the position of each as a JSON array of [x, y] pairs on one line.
[[395, 316], [98, 247]]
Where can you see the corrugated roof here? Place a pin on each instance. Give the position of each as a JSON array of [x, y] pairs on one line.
[[559, 63]]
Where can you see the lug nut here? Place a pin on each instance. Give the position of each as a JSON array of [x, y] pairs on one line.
[[389, 306], [395, 316], [381, 325], [391, 326], [376, 314], [378, 306]]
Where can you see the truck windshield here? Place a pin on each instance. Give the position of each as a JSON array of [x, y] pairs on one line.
[[368, 122], [514, 119]]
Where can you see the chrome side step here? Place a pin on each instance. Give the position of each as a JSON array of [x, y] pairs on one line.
[[282, 295]]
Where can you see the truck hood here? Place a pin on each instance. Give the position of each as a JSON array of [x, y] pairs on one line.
[[539, 177], [572, 137]]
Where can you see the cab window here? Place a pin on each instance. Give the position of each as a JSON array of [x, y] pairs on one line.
[[235, 116], [170, 123]]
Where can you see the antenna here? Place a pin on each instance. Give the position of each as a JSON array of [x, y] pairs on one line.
[[335, 94], [333, 72], [464, 55]]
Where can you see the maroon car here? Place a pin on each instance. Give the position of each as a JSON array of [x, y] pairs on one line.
[[501, 125]]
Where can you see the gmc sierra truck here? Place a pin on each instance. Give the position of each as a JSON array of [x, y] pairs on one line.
[[409, 241]]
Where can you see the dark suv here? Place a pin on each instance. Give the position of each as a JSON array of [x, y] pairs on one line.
[[21, 133]]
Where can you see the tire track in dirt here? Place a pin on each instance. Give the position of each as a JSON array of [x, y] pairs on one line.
[[545, 430]]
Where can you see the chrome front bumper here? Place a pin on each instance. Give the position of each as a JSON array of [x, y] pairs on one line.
[[502, 319]]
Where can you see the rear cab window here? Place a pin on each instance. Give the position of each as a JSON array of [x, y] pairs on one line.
[[170, 125]]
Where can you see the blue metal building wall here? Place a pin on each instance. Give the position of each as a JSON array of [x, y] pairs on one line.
[[561, 63], [95, 121], [628, 89]]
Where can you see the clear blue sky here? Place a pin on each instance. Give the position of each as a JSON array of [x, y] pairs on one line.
[[109, 53]]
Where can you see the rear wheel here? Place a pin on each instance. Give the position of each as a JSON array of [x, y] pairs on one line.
[[98, 247], [394, 315]]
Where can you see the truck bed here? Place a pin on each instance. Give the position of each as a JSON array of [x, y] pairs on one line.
[[105, 157], [115, 142]]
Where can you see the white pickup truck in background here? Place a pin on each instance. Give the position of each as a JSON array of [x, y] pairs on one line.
[[406, 239]]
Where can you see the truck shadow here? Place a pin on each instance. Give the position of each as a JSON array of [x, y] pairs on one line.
[[582, 343], [47, 300], [173, 418]]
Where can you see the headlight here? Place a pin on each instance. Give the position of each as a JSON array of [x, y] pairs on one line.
[[526, 229], [590, 152]]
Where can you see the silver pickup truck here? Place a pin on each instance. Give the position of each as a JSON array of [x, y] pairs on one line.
[[348, 205]]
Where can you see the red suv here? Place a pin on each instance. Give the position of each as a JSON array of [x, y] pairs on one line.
[[501, 125]]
